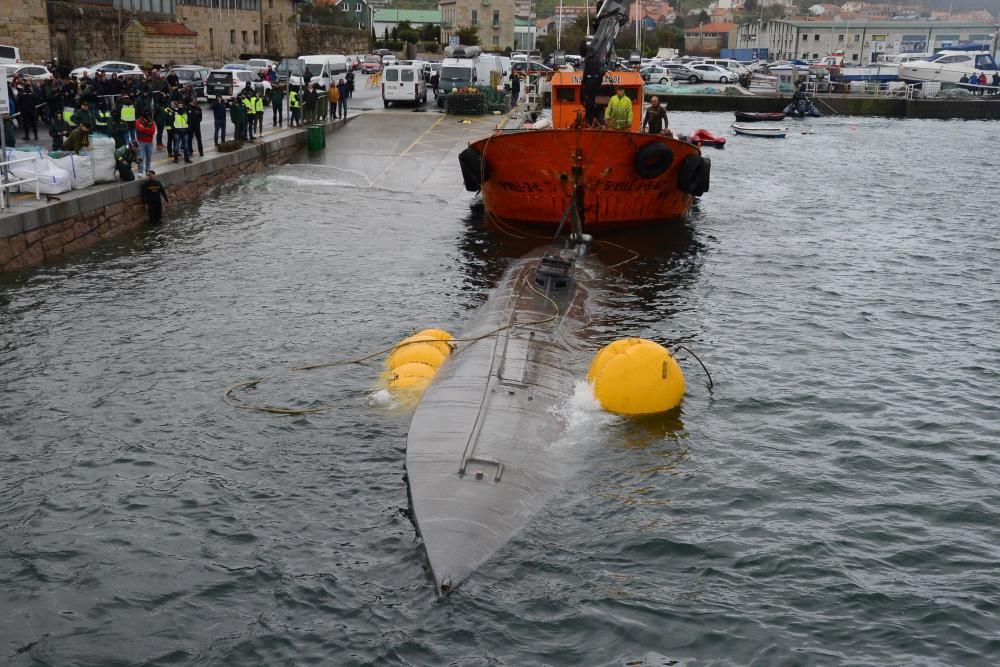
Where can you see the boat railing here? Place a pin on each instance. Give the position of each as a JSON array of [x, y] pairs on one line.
[[881, 89]]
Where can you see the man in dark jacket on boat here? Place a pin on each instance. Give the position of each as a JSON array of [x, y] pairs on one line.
[[656, 117]]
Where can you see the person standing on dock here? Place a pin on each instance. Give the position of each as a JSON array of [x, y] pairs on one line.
[[344, 94], [219, 115], [293, 108], [258, 112], [152, 192], [194, 129], [333, 94], [618, 113], [145, 130], [515, 87], [655, 120], [181, 133], [277, 102]]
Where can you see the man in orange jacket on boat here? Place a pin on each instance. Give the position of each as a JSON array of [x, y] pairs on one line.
[[618, 113]]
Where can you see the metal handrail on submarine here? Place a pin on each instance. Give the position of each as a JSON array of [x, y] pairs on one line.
[[608, 22]]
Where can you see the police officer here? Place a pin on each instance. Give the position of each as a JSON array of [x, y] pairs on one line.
[[124, 157], [128, 116], [293, 107], [152, 192], [181, 133], [258, 112], [251, 111], [59, 129]]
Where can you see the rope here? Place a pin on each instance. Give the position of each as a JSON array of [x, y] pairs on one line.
[[228, 398]]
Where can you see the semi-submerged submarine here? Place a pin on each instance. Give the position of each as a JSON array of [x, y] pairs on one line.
[[479, 454]]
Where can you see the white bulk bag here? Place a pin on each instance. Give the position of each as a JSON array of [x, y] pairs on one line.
[[79, 167], [102, 152]]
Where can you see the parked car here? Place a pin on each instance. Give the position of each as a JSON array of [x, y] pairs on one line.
[[713, 73], [682, 72], [194, 76], [229, 82], [354, 62], [655, 74], [237, 66], [10, 55], [33, 72], [389, 59], [260, 65], [371, 65], [108, 67]]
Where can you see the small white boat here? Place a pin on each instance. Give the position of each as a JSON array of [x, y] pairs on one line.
[[758, 131]]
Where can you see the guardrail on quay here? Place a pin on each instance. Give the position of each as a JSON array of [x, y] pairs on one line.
[[35, 232]]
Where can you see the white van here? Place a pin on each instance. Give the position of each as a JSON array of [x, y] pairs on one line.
[[403, 83], [321, 70], [10, 55]]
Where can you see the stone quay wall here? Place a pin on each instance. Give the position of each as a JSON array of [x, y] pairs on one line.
[[105, 211], [25, 24]]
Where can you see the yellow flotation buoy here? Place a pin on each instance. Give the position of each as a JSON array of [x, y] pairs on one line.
[[426, 352], [413, 375], [635, 376], [415, 360]]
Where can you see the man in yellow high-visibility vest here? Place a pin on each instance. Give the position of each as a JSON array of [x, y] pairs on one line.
[[618, 113]]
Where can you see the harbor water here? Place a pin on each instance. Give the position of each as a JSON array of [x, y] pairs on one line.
[[832, 499]]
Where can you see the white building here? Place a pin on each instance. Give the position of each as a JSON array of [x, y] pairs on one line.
[[861, 41]]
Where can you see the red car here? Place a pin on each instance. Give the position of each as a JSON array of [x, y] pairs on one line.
[[371, 65]]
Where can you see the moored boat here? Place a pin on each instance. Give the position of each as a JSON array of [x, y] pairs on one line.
[[617, 177], [751, 117], [948, 66], [760, 131]]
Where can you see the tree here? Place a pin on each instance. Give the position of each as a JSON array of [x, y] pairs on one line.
[[430, 33], [468, 35], [408, 33], [703, 17]]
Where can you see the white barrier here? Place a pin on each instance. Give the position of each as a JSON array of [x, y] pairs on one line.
[[10, 184]]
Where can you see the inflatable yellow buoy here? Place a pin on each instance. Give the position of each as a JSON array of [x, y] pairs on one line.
[[415, 360], [635, 376], [413, 375]]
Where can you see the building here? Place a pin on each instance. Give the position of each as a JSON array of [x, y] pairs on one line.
[[360, 12], [229, 30], [863, 40], [710, 38], [389, 19], [525, 33], [494, 20], [159, 42]]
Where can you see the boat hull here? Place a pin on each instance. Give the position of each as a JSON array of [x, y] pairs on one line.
[[758, 131], [480, 455], [751, 117], [530, 178]]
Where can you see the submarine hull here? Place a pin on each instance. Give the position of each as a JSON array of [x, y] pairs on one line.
[[479, 457]]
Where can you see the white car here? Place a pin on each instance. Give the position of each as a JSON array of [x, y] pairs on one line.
[[33, 72], [713, 73], [108, 67], [388, 60]]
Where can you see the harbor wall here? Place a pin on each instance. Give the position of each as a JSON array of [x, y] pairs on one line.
[[82, 218], [976, 109]]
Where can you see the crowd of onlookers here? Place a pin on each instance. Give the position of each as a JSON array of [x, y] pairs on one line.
[[138, 111], [979, 84]]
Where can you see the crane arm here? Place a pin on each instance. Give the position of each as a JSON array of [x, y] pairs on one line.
[[610, 18]]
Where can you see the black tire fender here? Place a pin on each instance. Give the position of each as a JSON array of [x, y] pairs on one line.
[[475, 171], [653, 160], [694, 175]]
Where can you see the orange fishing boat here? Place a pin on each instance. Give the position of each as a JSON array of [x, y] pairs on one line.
[[615, 178]]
